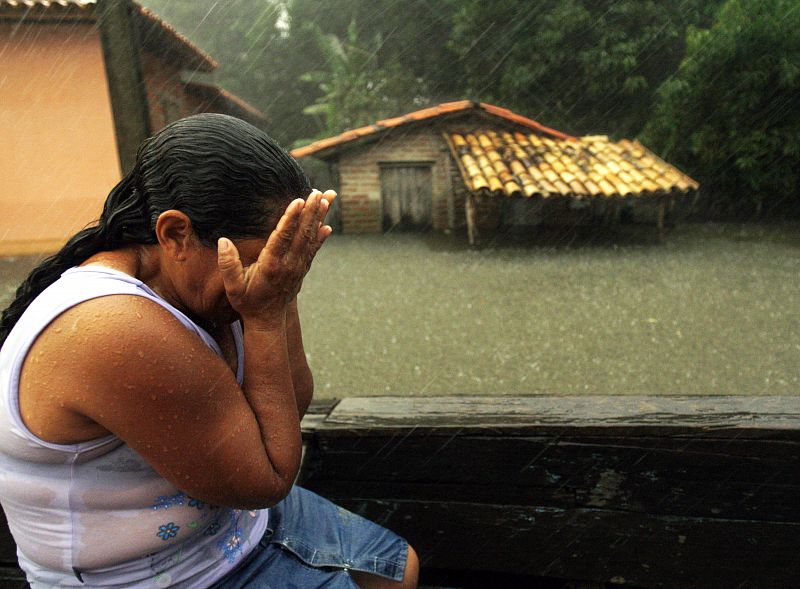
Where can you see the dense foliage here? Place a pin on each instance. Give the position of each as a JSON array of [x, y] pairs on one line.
[[713, 83], [316, 68], [584, 66], [356, 88], [731, 113]]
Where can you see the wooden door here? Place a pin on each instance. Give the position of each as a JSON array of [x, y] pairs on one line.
[[406, 195]]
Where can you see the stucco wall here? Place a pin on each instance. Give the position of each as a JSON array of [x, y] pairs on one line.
[[59, 149], [360, 182]]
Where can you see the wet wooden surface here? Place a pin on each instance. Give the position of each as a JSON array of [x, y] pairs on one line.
[[478, 412], [636, 491]]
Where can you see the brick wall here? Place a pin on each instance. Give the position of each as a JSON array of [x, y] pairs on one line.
[[360, 180], [166, 95]]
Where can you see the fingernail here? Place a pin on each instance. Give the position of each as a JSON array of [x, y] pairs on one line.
[[223, 244]]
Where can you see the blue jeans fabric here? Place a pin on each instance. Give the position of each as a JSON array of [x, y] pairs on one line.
[[311, 543]]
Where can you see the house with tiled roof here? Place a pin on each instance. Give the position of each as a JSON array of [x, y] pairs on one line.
[[59, 126], [478, 166]]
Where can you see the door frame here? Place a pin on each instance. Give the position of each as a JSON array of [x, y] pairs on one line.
[[404, 164]]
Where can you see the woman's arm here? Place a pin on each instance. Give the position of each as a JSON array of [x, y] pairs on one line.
[[127, 364], [302, 379]]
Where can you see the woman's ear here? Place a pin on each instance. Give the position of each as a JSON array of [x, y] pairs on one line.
[[174, 233]]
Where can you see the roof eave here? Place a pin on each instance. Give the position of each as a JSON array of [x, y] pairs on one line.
[[331, 146], [234, 104], [156, 33]]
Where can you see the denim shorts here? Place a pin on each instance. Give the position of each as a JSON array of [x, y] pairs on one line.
[[311, 543]]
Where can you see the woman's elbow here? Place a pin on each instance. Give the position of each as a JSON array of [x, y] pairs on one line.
[[264, 498], [303, 392]]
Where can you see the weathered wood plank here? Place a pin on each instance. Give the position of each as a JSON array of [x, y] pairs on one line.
[[702, 482], [721, 412], [646, 491], [616, 547], [317, 412]]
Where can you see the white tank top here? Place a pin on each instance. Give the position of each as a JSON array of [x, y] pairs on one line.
[[95, 514]]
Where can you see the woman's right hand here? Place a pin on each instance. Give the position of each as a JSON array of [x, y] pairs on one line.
[[260, 292]]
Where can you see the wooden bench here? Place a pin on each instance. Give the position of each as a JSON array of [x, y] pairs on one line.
[[614, 490], [668, 492]]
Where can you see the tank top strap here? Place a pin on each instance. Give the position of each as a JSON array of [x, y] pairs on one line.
[[75, 286]]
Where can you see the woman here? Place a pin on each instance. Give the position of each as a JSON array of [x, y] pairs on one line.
[[153, 378]]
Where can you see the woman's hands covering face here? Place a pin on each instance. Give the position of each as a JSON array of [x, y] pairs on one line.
[[261, 291]]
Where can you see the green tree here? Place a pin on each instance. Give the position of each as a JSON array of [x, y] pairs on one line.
[[413, 35], [584, 66], [267, 48], [731, 113], [258, 62], [356, 90]]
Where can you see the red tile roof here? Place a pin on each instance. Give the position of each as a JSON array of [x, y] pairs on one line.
[[213, 93], [495, 161], [157, 31], [190, 54], [447, 108]]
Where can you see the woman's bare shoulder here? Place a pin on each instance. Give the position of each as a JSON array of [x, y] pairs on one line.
[[101, 349], [125, 365]]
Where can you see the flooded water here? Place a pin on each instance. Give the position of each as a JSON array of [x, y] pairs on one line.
[[713, 310]]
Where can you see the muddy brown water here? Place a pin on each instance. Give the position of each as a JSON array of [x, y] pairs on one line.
[[713, 310]]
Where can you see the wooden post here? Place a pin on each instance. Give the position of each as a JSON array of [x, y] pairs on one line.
[[120, 41], [671, 219], [472, 229], [450, 191], [660, 220]]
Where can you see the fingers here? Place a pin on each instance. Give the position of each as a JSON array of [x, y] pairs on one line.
[[300, 231], [329, 196], [305, 235], [230, 267], [323, 233], [280, 240]]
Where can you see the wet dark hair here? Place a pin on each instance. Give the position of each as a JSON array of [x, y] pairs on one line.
[[227, 176]]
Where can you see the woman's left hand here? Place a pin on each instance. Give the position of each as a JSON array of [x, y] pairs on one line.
[[330, 196]]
